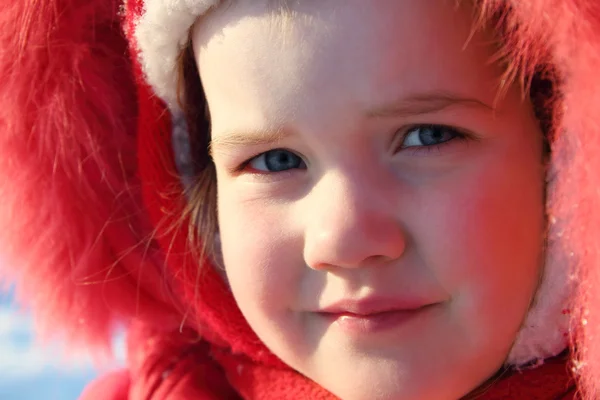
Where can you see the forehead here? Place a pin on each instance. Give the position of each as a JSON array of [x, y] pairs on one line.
[[303, 55]]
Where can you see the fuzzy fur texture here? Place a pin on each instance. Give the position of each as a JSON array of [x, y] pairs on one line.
[[73, 237], [161, 34], [83, 185]]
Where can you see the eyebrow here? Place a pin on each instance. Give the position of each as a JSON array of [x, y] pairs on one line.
[[403, 108], [247, 138], [426, 103]]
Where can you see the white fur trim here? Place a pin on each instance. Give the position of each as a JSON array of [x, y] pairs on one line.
[[161, 34], [545, 332]]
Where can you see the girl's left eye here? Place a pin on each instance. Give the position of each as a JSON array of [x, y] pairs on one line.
[[277, 160], [429, 135]]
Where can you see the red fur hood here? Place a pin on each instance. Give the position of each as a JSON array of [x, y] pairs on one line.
[[91, 200]]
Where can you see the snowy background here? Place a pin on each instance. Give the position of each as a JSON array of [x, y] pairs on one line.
[[29, 371]]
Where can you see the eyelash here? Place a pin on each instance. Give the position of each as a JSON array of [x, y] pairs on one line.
[[461, 136], [245, 164]]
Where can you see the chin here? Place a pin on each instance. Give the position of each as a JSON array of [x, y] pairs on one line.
[[389, 379], [366, 389]]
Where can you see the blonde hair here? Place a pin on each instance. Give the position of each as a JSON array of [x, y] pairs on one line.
[[201, 193]]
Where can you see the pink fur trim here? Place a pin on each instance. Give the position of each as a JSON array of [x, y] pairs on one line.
[[73, 236]]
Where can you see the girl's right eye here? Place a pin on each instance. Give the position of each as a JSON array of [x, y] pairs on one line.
[[277, 160]]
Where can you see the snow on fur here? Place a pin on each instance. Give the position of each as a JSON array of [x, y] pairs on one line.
[[576, 162], [571, 31]]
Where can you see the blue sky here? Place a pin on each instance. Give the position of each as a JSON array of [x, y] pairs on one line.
[[29, 371]]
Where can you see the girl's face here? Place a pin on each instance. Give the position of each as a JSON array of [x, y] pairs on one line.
[[381, 216]]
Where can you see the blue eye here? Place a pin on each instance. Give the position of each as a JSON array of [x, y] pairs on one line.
[[276, 161], [429, 135]]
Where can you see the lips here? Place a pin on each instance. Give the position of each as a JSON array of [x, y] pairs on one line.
[[372, 315], [374, 305]]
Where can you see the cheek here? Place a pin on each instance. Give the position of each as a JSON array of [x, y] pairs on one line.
[[484, 238], [262, 258]]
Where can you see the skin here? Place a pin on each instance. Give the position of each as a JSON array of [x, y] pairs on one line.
[[363, 207]]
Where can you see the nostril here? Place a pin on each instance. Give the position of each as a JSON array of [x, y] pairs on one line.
[[367, 262]]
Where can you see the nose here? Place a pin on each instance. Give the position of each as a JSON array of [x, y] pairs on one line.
[[349, 226]]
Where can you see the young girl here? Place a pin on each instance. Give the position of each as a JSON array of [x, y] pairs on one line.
[[309, 199]]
